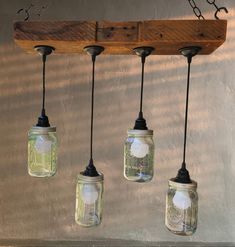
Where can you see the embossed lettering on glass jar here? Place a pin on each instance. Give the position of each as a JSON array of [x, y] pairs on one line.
[[139, 155], [89, 194], [181, 208], [42, 151]]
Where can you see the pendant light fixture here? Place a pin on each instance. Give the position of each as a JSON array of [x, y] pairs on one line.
[[42, 140], [139, 145], [89, 188], [182, 198]]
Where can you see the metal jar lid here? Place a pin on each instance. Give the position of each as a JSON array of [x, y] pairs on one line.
[[192, 185], [140, 132], [90, 179], [43, 130]]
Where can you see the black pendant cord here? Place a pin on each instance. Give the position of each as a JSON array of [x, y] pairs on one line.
[[43, 120], [140, 122], [183, 174], [43, 84], [186, 112], [142, 52], [93, 51], [44, 51], [142, 86], [92, 107], [90, 169]]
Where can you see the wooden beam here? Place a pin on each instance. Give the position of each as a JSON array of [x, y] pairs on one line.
[[166, 36]]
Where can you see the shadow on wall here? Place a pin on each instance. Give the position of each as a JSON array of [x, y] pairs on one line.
[[44, 208]]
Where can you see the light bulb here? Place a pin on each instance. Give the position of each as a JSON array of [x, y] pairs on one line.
[[89, 193], [182, 200], [43, 144], [139, 148]]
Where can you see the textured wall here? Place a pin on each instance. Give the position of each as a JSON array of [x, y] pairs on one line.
[[44, 208]]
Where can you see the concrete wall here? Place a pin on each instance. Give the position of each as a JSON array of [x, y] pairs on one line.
[[44, 208]]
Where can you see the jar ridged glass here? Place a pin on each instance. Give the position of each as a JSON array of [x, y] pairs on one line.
[[181, 208], [139, 155], [42, 151], [89, 200]]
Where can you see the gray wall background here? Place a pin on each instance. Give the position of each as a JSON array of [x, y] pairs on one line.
[[44, 208]]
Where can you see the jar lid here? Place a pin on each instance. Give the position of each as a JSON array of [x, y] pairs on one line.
[[43, 130], [140, 132], [90, 179], [192, 185]]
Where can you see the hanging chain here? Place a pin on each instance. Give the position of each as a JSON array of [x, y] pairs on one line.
[[32, 9], [196, 10], [218, 9], [26, 12]]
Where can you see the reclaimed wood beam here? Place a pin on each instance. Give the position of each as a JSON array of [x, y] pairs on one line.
[[166, 36]]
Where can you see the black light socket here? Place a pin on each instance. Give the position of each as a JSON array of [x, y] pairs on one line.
[[183, 176], [140, 123], [90, 170], [43, 121]]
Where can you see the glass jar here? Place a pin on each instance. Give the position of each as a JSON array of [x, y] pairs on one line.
[[42, 151], [181, 208], [89, 199], [139, 155]]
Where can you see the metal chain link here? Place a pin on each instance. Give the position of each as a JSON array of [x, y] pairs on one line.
[[32, 9], [218, 9], [26, 12], [196, 10]]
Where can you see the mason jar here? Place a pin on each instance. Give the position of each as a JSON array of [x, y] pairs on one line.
[[181, 208], [42, 151], [89, 200], [139, 155]]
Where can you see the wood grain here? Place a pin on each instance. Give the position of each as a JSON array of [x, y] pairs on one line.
[[166, 36]]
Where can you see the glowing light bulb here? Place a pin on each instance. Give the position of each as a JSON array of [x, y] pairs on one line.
[[43, 144], [139, 148], [89, 193], [182, 200]]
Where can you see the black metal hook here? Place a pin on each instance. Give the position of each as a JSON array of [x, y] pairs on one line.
[[218, 10]]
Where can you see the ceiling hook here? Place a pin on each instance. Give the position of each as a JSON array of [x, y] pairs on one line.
[[218, 10]]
